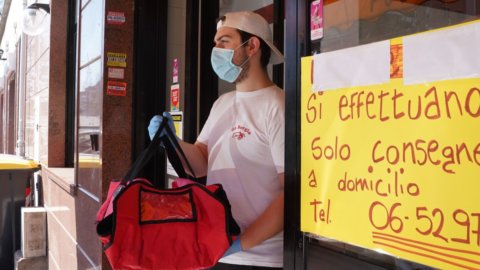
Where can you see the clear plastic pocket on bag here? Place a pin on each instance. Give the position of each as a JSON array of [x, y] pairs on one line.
[[158, 207]]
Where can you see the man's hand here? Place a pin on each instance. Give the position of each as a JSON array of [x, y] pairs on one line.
[[234, 248], [155, 124]]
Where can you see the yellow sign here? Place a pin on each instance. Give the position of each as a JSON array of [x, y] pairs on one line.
[[177, 118], [394, 167], [116, 59]]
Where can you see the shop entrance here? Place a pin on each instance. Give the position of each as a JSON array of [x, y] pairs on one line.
[[347, 24], [173, 73]]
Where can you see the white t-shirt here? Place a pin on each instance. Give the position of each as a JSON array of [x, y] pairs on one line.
[[245, 136]]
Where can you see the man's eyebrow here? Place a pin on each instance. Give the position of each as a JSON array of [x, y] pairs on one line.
[[222, 36]]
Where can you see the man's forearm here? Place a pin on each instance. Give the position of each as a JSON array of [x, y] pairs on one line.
[[266, 226], [197, 157]]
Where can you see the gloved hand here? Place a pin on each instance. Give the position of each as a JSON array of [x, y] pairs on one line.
[[234, 248], [155, 124]]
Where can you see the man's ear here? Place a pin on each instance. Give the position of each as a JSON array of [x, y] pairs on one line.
[[253, 45]]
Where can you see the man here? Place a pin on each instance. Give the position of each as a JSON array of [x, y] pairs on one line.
[[241, 145]]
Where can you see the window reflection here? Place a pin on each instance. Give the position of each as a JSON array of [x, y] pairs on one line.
[[90, 108], [351, 23], [91, 31]]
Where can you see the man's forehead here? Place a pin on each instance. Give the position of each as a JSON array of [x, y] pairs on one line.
[[226, 32]]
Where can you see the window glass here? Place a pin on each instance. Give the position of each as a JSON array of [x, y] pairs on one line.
[[351, 23], [91, 31], [90, 105], [84, 2], [90, 98]]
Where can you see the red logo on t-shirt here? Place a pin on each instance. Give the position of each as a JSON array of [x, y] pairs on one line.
[[239, 132]]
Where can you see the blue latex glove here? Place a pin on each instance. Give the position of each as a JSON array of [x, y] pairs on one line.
[[234, 248], [155, 124]]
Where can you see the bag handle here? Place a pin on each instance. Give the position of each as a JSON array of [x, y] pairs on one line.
[[146, 155], [173, 149]]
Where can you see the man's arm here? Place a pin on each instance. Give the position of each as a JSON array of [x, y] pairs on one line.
[[197, 155], [268, 224]]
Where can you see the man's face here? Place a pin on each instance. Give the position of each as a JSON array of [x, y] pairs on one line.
[[229, 38]]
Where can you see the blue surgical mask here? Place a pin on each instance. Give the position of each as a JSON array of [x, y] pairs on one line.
[[222, 63]]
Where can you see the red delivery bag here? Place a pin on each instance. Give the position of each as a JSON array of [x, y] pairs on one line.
[[144, 227]]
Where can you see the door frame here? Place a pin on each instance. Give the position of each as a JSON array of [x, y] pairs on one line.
[[150, 49], [295, 49]]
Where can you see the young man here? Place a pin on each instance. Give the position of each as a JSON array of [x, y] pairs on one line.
[[241, 145]]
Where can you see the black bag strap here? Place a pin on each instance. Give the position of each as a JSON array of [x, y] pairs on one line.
[[176, 156], [173, 150], [146, 155]]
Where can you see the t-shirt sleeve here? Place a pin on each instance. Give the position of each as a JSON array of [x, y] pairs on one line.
[[276, 136], [205, 133]]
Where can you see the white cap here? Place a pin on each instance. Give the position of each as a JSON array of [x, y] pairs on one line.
[[254, 24]]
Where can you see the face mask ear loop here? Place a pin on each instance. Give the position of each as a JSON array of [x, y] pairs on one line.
[[244, 62], [242, 44], [248, 58]]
